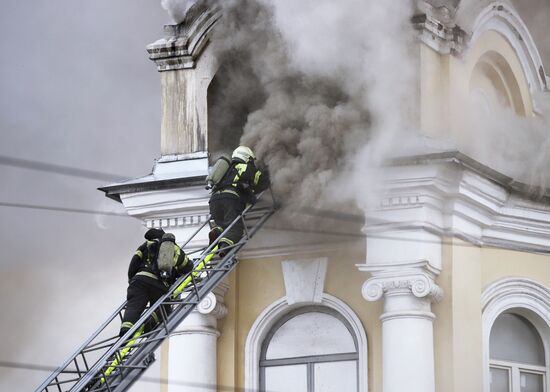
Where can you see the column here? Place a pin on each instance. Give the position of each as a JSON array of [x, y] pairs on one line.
[[192, 349], [407, 324]]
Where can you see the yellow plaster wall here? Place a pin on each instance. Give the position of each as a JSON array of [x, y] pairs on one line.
[[500, 263], [257, 283], [443, 327], [457, 327], [466, 317], [434, 91], [445, 85], [467, 271], [493, 41], [344, 281]]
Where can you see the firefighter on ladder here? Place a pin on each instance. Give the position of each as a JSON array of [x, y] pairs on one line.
[[237, 188], [148, 282]]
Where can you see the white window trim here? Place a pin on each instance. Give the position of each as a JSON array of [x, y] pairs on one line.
[[267, 319], [502, 18], [526, 297], [515, 370]]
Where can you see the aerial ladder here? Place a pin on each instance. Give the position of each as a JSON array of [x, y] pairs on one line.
[[107, 362]]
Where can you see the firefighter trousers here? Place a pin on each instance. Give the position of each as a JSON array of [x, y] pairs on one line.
[[139, 294], [224, 211]]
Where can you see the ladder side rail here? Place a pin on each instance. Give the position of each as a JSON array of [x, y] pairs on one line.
[[196, 232], [100, 363], [145, 316], [155, 341], [222, 269], [233, 223], [180, 314], [69, 360]]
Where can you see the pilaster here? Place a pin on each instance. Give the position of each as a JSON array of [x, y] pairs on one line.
[[407, 323], [192, 348], [186, 69]]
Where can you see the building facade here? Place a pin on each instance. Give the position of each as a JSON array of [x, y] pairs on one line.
[[448, 290]]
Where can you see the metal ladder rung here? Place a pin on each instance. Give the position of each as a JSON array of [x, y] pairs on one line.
[[123, 360]]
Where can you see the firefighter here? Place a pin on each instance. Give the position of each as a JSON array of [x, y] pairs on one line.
[[147, 283], [232, 193]]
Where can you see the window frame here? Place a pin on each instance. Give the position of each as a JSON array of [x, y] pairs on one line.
[[523, 297], [311, 360], [515, 370]]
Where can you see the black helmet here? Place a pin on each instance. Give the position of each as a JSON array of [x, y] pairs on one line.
[[154, 234]]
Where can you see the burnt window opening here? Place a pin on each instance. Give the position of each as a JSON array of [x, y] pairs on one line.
[[234, 93]]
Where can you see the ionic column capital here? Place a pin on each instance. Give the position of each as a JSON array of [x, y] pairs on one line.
[[210, 305], [417, 280]]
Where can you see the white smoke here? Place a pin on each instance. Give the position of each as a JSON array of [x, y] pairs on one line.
[[337, 77], [517, 146], [177, 9], [340, 92]]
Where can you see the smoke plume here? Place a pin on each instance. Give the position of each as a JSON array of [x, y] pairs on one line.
[[334, 80], [328, 91], [177, 8], [518, 147]]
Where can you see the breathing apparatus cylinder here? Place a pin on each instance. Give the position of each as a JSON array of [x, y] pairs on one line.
[[165, 257], [217, 172]]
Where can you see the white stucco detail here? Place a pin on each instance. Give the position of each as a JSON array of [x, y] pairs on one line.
[[416, 279], [429, 197], [501, 17], [266, 320], [195, 342], [304, 279], [527, 298], [407, 322]]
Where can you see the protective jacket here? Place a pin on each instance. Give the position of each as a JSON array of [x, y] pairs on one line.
[[143, 266], [243, 181], [146, 286], [238, 187]]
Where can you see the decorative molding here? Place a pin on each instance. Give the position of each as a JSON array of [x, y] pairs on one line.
[[417, 280], [257, 251], [525, 296], [184, 42], [406, 201], [265, 321], [450, 194], [438, 31], [210, 305], [499, 16], [304, 279], [179, 221]]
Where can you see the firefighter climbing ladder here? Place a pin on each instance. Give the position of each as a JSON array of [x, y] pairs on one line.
[[109, 363]]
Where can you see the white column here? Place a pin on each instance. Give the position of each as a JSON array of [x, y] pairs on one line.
[[192, 350], [407, 324]]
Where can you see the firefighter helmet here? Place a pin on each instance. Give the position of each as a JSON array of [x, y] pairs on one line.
[[243, 153]]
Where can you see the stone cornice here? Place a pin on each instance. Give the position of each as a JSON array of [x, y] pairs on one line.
[[450, 194], [438, 31], [184, 42]]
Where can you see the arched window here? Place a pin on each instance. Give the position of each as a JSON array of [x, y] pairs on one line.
[[310, 349], [517, 359]]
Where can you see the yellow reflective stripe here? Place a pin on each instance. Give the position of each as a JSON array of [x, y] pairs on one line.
[[122, 353], [155, 317], [257, 177], [139, 253], [196, 272], [230, 191], [127, 325], [241, 168], [227, 241], [149, 274]]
